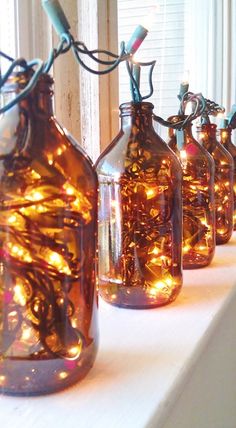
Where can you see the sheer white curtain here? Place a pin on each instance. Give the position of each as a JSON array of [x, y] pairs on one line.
[[210, 32]]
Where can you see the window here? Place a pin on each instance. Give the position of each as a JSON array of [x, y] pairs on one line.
[[87, 105], [7, 31], [165, 42]]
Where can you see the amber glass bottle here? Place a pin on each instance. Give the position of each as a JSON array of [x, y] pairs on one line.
[[140, 215], [198, 197], [224, 167], [48, 207], [225, 139]]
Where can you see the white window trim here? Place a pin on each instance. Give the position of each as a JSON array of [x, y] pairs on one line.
[[83, 101]]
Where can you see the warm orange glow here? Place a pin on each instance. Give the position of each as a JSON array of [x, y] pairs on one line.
[[63, 375]]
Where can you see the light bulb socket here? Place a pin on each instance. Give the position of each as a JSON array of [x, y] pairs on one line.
[[231, 117], [224, 123], [184, 87], [56, 15], [136, 39]]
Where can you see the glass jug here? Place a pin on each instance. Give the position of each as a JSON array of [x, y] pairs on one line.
[[223, 184], [198, 197], [140, 215], [48, 301]]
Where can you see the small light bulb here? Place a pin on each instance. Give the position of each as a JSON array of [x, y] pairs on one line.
[[34, 196], [185, 79], [26, 333], [2, 379], [63, 375], [183, 157], [188, 108], [148, 20], [19, 295], [12, 219]]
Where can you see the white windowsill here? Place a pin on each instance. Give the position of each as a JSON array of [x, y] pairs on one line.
[[169, 367]]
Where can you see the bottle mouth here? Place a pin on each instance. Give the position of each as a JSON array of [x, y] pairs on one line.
[[142, 108], [18, 81], [177, 118], [209, 126]]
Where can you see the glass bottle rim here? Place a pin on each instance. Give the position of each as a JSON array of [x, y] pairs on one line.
[[141, 108], [19, 79], [207, 126], [177, 117]]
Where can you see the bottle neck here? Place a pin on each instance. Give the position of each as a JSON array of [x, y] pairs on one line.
[[184, 136], [137, 116], [209, 129], [186, 132], [225, 135], [38, 102]]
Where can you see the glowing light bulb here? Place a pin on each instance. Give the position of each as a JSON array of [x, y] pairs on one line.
[[148, 20], [188, 108], [114, 204], [202, 135], [137, 57], [70, 190], [34, 196], [74, 323], [75, 351], [185, 79], [20, 252], [58, 262], [2, 380], [12, 219], [150, 193], [26, 333], [63, 375], [224, 134], [169, 282], [19, 294], [35, 175], [159, 285], [50, 159], [183, 157], [186, 249]]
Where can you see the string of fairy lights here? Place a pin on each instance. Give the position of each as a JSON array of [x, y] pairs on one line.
[[40, 264]]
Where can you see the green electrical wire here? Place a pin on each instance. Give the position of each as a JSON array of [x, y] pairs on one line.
[[199, 105]]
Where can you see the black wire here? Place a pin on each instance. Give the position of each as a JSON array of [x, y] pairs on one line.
[[98, 72], [9, 58], [153, 63], [200, 103]]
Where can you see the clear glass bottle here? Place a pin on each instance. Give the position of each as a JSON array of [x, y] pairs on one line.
[[225, 139], [140, 215], [224, 168], [198, 197], [48, 301]]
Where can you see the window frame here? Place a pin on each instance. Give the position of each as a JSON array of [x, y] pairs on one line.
[[85, 104]]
